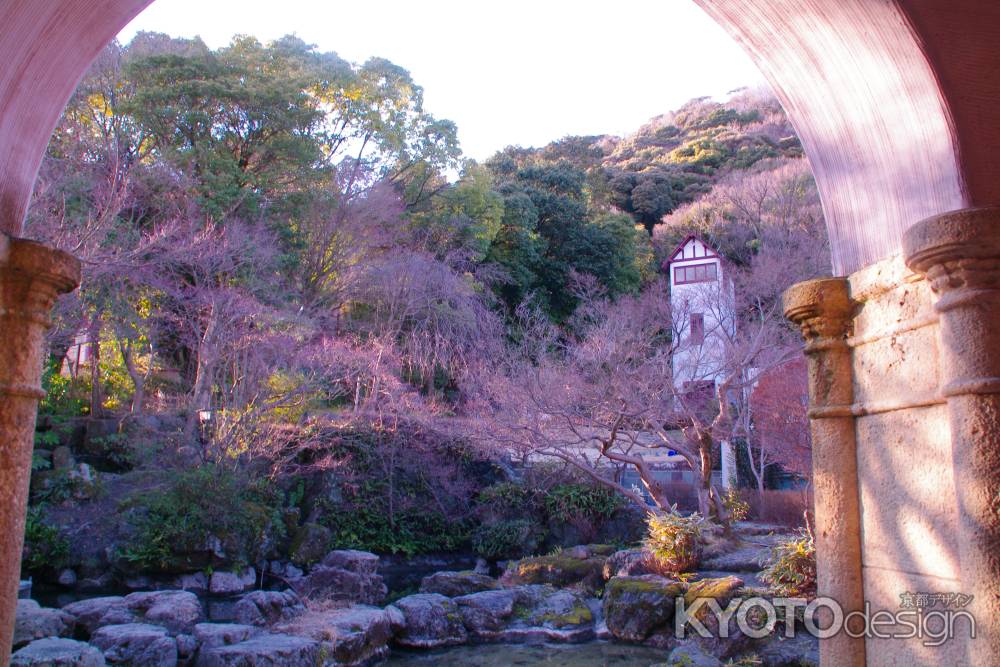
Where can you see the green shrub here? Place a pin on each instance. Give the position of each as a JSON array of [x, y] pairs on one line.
[[44, 546], [567, 502], [791, 570], [506, 499], [674, 540], [410, 531], [506, 539], [66, 397], [737, 508], [172, 526]]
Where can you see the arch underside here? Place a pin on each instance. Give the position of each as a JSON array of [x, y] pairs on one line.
[[896, 102]]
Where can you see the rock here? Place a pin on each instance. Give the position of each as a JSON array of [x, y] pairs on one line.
[[721, 590], [24, 590], [454, 584], [177, 611], [214, 635], [334, 583], [62, 458], [689, 654], [136, 644], [98, 584], [97, 612], [264, 651], [231, 583], [635, 608], [351, 636], [780, 651], [196, 583], [32, 621], [744, 558], [187, 646], [546, 613], [309, 544], [53, 652], [431, 620], [67, 578], [362, 563], [482, 566], [139, 583], [266, 607], [486, 613], [560, 570], [292, 572], [628, 563]]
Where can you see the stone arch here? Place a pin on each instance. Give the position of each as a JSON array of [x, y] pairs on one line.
[[898, 106]]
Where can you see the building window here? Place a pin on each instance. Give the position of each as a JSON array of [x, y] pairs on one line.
[[697, 273], [697, 336]]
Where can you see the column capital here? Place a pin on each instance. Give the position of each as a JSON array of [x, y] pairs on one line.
[[956, 250], [31, 260], [32, 276], [822, 308]]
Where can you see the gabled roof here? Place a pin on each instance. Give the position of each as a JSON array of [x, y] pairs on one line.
[[691, 237]]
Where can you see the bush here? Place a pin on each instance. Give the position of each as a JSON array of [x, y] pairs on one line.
[[569, 502], [44, 546], [791, 570], [674, 540], [506, 539], [409, 531], [174, 527], [737, 508]]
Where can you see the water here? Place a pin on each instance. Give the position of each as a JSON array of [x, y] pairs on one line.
[[592, 654]]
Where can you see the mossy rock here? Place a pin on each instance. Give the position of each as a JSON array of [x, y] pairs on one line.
[[455, 584], [721, 590], [310, 544], [558, 570], [636, 608]]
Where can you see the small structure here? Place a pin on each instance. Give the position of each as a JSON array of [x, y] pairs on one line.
[[702, 306]]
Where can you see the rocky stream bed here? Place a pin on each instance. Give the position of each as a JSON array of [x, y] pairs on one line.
[[588, 605]]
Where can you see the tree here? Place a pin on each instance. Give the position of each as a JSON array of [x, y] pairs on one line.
[[780, 435]]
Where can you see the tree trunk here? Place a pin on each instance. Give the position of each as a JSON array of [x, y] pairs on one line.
[[96, 395]]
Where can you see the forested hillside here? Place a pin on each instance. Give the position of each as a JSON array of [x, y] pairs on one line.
[[346, 343]]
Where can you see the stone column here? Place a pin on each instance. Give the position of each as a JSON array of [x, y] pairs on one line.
[[824, 311], [31, 277], [959, 252]]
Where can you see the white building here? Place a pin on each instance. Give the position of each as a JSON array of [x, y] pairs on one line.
[[702, 304]]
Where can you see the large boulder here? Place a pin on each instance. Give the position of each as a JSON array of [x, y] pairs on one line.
[[345, 576], [54, 652], [208, 636], [232, 583], [267, 607], [309, 544], [32, 621], [430, 620], [485, 614], [136, 644], [780, 651], [97, 612], [264, 651], [564, 569], [542, 612], [722, 590], [351, 636], [177, 611], [637, 608], [454, 584]]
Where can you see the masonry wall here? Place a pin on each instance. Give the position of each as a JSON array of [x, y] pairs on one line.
[[909, 514]]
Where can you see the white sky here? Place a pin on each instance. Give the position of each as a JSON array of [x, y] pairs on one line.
[[518, 72]]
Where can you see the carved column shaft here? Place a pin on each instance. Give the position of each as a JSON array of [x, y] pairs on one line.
[[824, 311], [31, 277], [960, 254]]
